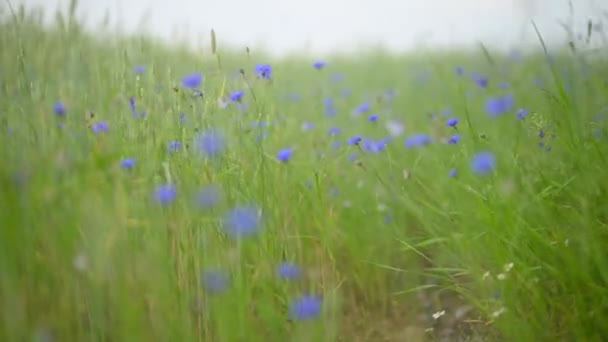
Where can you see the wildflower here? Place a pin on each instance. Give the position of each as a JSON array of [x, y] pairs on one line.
[[305, 308], [522, 113], [454, 139], [165, 194], [417, 140], [285, 155], [354, 140], [483, 163], [459, 70], [127, 163], [208, 197], [452, 122], [215, 281], [242, 222], [438, 314], [497, 106], [237, 96], [319, 65], [447, 112], [289, 271], [481, 80], [337, 77], [453, 173], [504, 85], [132, 105], [174, 146], [307, 126], [336, 144], [363, 108], [140, 69], [210, 143], [334, 131], [373, 118], [100, 127], [192, 81], [59, 108], [264, 71], [373, 146]]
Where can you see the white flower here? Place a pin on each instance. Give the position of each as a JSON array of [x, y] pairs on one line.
[[438, 314]]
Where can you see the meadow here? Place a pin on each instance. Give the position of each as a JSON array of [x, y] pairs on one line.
[[156, 193]]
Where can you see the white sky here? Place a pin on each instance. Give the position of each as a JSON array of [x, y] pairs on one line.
[[321, 26]]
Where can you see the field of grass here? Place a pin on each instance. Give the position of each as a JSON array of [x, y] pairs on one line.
[[436, 196]]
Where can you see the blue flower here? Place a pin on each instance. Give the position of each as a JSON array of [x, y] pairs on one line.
[[59, 108], [454, 139], [504, 85], [418, 140], [307, 126], [459, 70], [215, 281], [373, 146], [336, 144], [480, 80], [337, 77], [363, 108], [522, 113], [452, 122], [140, 69], [192, 81], [289, 271], [264, 71], [497, 106], [174, 146], [453, 173], [334, 131], [132, 105], [305, 308], [242, 222], [210, 143], [208, 197], [483, 163], [127, 163], [319, 65], [285, 155], [165, 194], [354, 140], [373, 118], [237, 96], [100, 127]]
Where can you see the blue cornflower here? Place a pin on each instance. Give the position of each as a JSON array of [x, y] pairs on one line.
[[447, 112], [497, 106], [363, 108], [132, 105], [264, 71], [354, 140], [210, 143], [237, 96], [209, 196], [289, 271], [100, 127], [337, 77], [285, 155], [307, 126], [174, 146], [215, 281], [483, 163], [373, 118], [336, 144], [481, 80], [453, 173], [395, 128], [59, 108], [452, 122], [165, 194], [459, 70], [242, 222], [418, 140], [192, 81], [334, 131], [305, 308], [140, 69], [127, 163], [319, 65], [454, 139], [504, 85], [522, 113], [373, 146]]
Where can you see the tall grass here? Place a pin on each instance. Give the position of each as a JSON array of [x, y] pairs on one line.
[[384, 236]]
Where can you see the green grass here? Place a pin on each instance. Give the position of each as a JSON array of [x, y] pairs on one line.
[[386, 241]]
